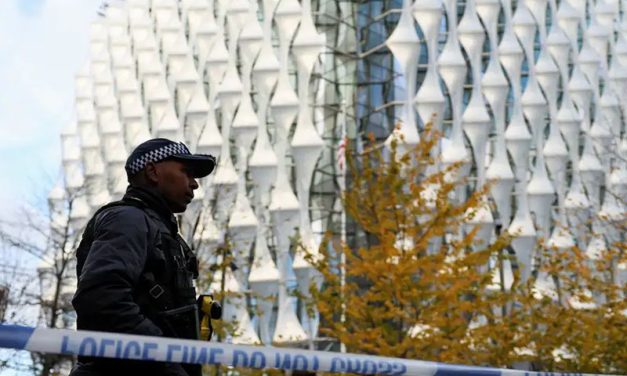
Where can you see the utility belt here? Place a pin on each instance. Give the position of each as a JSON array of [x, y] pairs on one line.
[[182, 322]]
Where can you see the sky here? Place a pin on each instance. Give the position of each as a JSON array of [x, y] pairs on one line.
[[43, 44]]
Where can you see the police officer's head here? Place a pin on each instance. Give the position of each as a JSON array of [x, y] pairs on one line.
[[170, 168]]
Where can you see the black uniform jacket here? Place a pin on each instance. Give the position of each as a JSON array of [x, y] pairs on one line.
[[124, 237]]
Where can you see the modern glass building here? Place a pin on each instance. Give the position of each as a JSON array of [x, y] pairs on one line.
[[530, 95]]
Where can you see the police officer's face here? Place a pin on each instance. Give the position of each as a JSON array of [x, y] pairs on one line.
[[176, 182]]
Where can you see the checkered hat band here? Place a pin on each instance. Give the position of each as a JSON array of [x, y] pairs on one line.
[[156, 156]]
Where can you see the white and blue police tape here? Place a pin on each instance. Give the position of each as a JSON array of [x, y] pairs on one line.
[[124, 346]]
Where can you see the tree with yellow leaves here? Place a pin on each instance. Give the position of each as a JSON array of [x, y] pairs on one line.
[[422, 288], [580, 322]]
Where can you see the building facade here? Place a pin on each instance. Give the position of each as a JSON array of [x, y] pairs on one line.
[[530, 96]]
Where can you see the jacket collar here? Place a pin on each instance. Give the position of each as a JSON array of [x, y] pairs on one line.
[[152, 199]]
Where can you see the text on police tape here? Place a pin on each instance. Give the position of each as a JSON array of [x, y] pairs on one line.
[[204, 354]]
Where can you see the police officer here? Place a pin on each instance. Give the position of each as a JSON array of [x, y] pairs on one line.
[[135, 272]]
